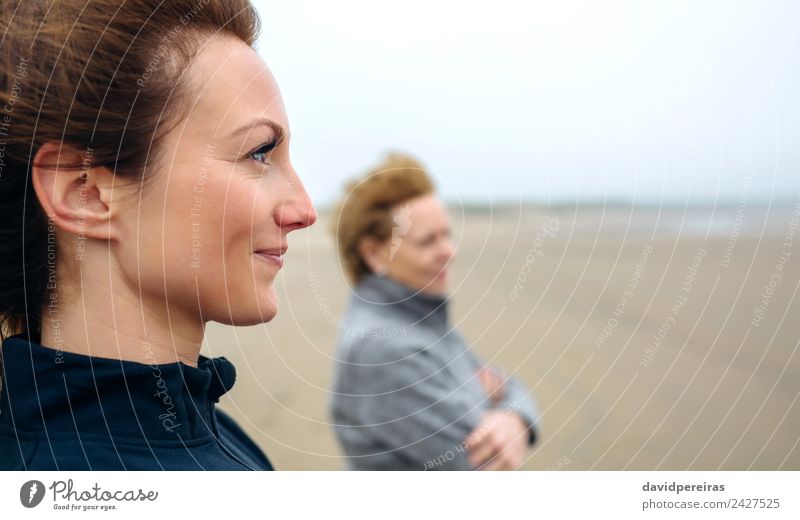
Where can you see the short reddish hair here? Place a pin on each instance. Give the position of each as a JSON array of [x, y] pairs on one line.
[[366, 208]]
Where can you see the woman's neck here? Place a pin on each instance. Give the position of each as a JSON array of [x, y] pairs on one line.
[[119, 324]]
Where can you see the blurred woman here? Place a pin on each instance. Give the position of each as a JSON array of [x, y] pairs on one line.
[[408, 391], [145, 190]]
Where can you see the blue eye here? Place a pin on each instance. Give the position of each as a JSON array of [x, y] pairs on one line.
[[261, 154]]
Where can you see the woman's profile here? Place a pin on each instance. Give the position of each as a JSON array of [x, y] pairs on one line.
[[145, 190], [409, 393]]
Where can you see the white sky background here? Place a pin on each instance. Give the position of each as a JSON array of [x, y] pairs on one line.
[[674, 102]]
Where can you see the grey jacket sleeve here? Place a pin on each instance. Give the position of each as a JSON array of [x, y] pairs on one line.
[[414, 410], [520, 400]]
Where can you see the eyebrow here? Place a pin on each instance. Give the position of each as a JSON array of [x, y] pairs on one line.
[[280, 133]]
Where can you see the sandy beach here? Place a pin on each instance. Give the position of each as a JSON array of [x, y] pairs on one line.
[[651, 338]]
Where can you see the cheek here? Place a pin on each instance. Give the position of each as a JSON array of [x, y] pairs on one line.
[[197, 228], [196, 243], [234, 284], [415, 261], [160, 252], [221, 225], [197, 224], [426, 261]]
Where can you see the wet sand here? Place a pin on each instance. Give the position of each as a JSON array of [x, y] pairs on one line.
[[651, 339]]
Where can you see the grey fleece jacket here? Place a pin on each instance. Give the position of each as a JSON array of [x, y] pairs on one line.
[[405, 392]]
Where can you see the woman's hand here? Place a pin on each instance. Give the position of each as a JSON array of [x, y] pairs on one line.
[[492, 383], [499, 442]]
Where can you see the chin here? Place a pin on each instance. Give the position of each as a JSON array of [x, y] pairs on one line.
[[267, 306], [244, 312], [436, 288], [263, 314]]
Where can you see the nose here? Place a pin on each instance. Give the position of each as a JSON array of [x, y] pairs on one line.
[[448, 250], [297, 210]]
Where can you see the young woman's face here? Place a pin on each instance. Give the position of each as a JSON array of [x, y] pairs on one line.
[[420, 248], [208, 235]]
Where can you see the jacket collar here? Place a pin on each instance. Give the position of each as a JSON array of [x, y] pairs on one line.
[[420, 307], [47, 389]]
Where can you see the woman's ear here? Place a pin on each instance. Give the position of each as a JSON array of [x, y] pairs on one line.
[[375, 254], [73, 193]]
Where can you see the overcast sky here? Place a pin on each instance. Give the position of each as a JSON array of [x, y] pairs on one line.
[[545, 101]]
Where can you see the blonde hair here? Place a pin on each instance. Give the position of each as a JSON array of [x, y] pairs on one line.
[[366, 208]]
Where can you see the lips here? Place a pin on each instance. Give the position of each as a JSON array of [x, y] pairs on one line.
[[274, 256]]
